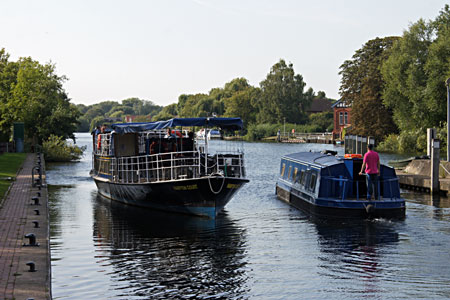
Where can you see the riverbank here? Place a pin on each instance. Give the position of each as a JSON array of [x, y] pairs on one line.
[[416, 176], [24, 236]]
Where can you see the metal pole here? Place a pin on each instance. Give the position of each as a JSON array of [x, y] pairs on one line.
[[447, 82]]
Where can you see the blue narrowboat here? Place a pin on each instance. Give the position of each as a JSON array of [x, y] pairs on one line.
[[322, 183]]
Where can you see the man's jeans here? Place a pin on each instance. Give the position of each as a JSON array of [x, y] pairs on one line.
[[372, 185]]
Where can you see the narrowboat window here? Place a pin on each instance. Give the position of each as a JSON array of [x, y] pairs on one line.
[[312, 185], [303, 177], [289, 173], [295, 174], [282, 170]]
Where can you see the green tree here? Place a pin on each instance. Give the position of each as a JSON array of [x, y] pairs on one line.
[[125, 110], [83, 125], [241, 104], [39, 100], [8, 78], [283, 96], [415, 74], [437, 68], [191, 105], [362, 85], [323, 121], [168, 112], [405, 78]]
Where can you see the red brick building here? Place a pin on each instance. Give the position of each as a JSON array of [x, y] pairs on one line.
[[342, 118]]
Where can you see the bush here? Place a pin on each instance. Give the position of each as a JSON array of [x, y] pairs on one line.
[[407, 142], [58, 150], [390, 144], [256, 132]]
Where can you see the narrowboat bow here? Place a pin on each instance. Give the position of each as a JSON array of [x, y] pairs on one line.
[[144, 164], [330, 185]]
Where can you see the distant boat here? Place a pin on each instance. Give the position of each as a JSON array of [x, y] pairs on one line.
[[402, 163], [214, 134], [210, 134], [328, 185]]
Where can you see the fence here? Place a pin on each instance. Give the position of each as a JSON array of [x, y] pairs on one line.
[[7, 147]]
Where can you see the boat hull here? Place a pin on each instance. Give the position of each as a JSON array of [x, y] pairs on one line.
[[205, 196], [390, 209]]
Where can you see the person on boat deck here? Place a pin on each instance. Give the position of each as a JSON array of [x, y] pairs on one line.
[[371, 166], [169, 134], [154, 147]]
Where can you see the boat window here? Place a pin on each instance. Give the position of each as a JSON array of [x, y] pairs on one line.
[[295, 174], [282, 170], [303, 177], [312, 185], [141, 143], [289, 173]]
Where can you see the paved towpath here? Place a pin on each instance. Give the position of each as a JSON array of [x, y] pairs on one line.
[[18, 217]]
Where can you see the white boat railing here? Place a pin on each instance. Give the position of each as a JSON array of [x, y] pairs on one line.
[[169, 166]]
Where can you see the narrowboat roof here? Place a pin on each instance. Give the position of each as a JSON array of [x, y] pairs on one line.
[[318, 159], [224, 123]]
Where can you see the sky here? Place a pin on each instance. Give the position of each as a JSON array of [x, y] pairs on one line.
[[159, 49]]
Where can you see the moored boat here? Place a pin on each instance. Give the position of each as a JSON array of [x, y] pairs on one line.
[[402, 163], [214, 134], [330, 185], [147, 165]]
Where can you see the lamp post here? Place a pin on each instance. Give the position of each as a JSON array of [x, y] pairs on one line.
[[447, 83]]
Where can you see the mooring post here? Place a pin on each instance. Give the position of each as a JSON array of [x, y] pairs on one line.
[[434, 188], [447, 83]]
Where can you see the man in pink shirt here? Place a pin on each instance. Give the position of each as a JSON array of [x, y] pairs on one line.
[[371, 164]]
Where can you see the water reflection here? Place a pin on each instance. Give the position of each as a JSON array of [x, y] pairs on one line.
[[167, 255], [437, 206], [354, 249]]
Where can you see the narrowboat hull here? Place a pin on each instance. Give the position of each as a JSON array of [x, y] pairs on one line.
[[336, 208], [205, 196]]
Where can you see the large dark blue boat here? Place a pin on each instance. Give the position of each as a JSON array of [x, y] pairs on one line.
[[159, 165], [322, 183]]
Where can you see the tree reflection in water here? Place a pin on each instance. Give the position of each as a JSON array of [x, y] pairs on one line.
[[169, 255]]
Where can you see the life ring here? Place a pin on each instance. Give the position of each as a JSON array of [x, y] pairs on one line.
[[352, 156], [178, 133], [99, 141]]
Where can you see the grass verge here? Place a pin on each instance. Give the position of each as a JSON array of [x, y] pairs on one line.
[[9, 165]]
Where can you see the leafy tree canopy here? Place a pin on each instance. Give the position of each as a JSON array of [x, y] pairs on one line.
[[415, 73], [96, 114], [283, 96], [362, 85], [32, 93]]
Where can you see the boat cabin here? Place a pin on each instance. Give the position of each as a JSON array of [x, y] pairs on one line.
[[148, 152]]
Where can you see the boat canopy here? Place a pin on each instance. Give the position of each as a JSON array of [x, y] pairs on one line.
[[224, 123]]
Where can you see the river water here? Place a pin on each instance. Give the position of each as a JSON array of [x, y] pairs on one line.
[[259, 248]]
